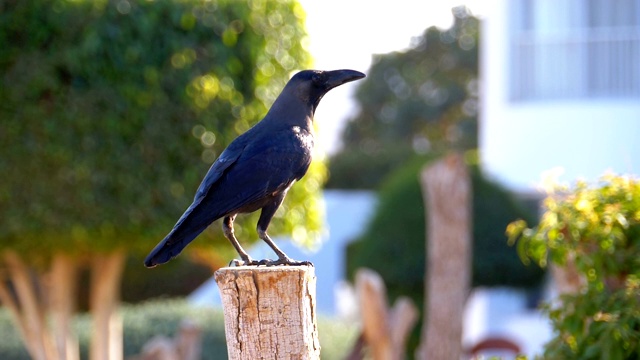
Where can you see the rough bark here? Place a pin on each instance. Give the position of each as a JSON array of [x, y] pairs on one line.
[[447, 195], [269, 312]]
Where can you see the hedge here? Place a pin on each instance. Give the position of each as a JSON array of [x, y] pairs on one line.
[[163, 317]]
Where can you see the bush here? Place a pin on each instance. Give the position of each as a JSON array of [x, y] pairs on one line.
[[177, 278], [394, 242], [596, 230], [144, 321], [11, 346], [360, 169]]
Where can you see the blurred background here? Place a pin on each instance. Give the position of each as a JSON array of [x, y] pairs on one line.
[[111, 112]]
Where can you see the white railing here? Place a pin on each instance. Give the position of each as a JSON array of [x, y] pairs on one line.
[[580, 63]]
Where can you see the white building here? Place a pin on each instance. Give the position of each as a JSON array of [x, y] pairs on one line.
[[560, 88]]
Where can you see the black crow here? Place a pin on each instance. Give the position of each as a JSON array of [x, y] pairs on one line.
[[257, 169]]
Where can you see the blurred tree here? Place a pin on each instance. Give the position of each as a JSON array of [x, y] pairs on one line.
[[112, 111], [394, 242], [415, 105], [418, 101]]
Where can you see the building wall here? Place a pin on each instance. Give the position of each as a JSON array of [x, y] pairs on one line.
[[584, 132]]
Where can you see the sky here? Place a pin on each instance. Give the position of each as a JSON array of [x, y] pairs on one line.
[[345, 34]]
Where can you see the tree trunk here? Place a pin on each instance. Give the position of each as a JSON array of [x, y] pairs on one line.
[[447, 195], [269, 312], [106, 275], [63, 291], [55, 295], [26, 309]]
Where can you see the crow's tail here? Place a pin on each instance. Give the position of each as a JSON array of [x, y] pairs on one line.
[[167, 249], [190, 225]]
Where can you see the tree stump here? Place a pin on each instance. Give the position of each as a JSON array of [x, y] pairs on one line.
[[269, 312], [447, 194], [385, 330]]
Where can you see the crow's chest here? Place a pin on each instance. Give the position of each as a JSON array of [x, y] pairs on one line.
[[293, 145], [292, 151], [302, 139]]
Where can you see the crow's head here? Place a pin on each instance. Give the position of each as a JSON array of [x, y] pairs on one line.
[[311, 85]]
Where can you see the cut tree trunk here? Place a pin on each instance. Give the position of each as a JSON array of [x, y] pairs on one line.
[[269, 312], [447, 195]]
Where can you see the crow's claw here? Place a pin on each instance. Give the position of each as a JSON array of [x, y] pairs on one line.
[[268, 262], [248, 262], [288, 262]]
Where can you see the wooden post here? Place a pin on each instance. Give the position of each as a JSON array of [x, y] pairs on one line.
[[269, 312], [385, 331], [447, 195]]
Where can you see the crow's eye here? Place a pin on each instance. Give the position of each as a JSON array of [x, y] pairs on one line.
[[318, 79]]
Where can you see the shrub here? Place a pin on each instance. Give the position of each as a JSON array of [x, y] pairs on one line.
[[394, 242], [144, 321], [177, 278], [360, 169], [596, 229]]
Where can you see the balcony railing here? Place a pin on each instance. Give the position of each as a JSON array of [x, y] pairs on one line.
[[580, 63]]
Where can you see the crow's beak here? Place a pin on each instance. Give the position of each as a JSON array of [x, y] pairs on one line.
[[339, 77]]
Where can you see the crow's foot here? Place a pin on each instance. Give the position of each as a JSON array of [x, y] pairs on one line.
[[268, 262], [285, 261], [245, 262]]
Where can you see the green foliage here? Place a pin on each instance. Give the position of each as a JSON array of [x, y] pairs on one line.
[[11, 346], [113, 111], [144, 321], [358, 169], [177, 278], [597, 324], [596, 228], [418, 101], [394, 242]]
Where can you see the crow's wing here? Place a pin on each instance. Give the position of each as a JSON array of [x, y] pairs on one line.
[[226, 159], [264, 168], [197, 217]]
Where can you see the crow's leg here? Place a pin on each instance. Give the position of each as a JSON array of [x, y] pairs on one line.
[[227, 227], [263, 223]]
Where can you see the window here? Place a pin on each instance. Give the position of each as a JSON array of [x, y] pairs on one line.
[[574, 49]]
